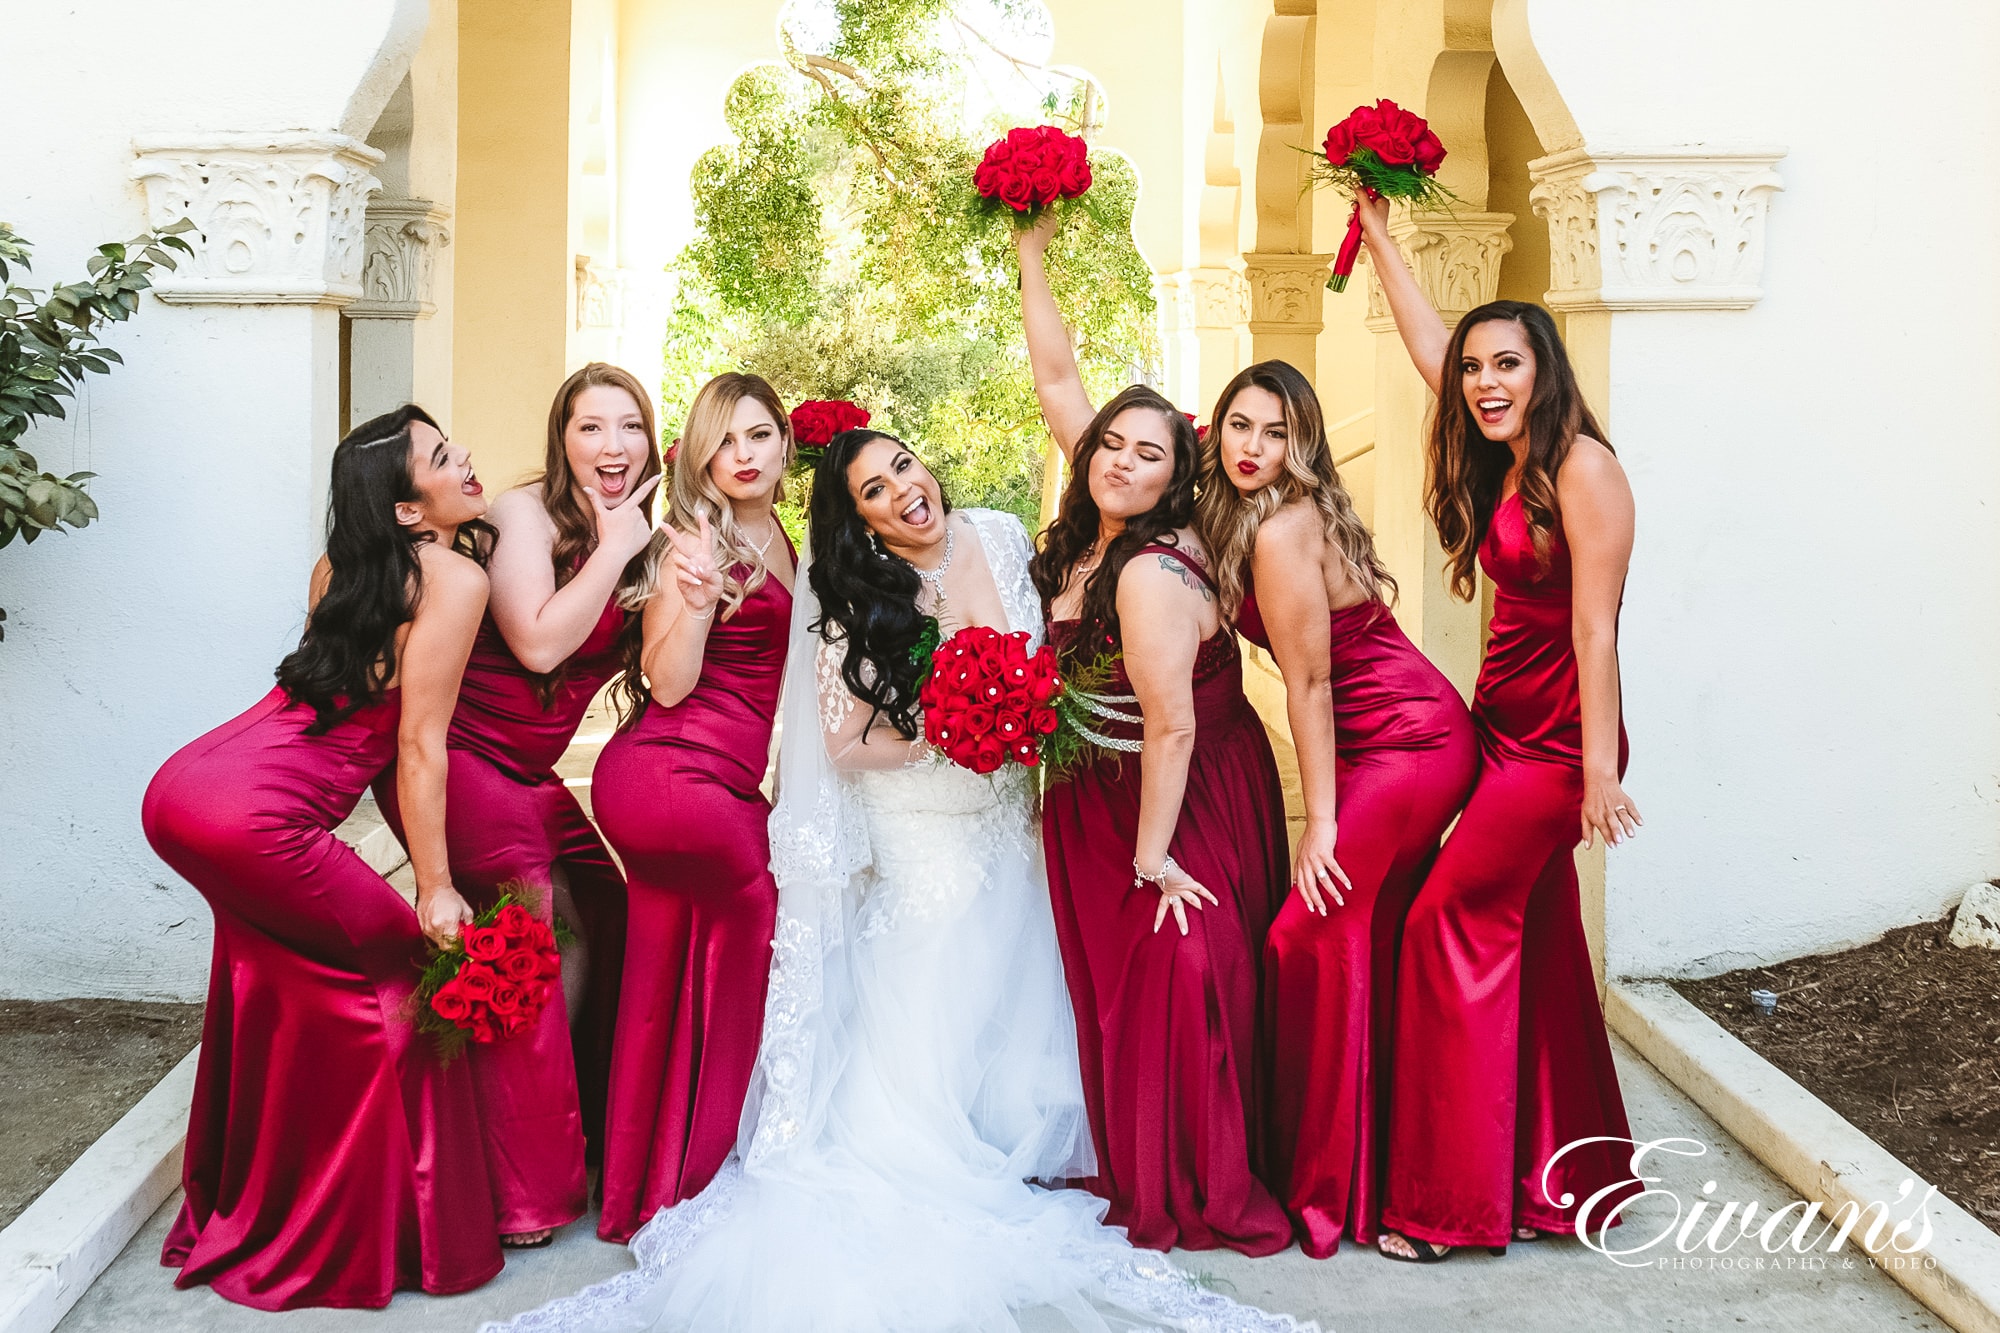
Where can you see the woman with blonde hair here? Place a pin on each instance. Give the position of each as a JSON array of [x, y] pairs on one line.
[[1386, 757], [549, 642], [677, 793]]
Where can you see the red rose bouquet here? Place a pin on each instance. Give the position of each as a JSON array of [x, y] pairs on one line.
[[1030, 169], [1382, 150], [494, 980], [989, 701], [816, 421]]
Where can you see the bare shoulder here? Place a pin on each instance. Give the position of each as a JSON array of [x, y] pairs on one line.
[[1591, 466], [521, 509], [451, 572], [1295, 530], [322, 575], [1158, 576]]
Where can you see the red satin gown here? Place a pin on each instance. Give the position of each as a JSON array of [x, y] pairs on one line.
[[677, 794], [328, 1162], [1405, 760], [1166, 1023], [509, 817], [1501, 1053]]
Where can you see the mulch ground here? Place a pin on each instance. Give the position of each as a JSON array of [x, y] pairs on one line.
[[1901, 1037], [68, 1070]]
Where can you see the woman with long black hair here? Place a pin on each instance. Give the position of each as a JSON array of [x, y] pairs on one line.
[[1502, 1059], [329, 1160], [1195, 819]]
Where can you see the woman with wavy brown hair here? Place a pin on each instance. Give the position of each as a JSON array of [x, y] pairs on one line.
[[1193, 817], [677, 791], [1503, 1062], [567, 542], [1386, 757]]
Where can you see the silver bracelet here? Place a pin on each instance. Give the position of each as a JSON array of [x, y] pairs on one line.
[[696, 615], [1158, 879]]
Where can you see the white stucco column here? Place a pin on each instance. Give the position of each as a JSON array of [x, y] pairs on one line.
[[402, 241], [1287, 306]]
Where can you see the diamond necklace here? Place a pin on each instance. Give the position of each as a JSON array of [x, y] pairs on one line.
[[935, 577]]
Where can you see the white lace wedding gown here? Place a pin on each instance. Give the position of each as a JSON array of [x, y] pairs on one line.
[[918, 1067]]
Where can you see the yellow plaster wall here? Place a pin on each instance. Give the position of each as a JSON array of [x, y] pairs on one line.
[[511, 255]]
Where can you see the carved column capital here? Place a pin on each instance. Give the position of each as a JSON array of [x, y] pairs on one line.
[[1287, 292], [1220, 298], [400, 247], [278, 217], [1455, 257], [1655, 229]]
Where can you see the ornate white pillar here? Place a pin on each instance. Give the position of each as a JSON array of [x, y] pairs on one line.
[[278, 217], [1287, 307], [1219, 314], [1456, 259], [278, 248], [401, 242]]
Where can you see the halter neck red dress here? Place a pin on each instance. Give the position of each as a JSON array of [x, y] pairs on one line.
[[1502, 1057], [509, 817], [328, 1162], [1405, 761], [1166, 1023], [678, 795]]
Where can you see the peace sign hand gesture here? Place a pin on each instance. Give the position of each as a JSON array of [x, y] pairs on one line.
[[625, 530], [698, 568]]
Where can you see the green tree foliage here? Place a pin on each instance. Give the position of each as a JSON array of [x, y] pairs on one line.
[[839, 253], [48, 343]]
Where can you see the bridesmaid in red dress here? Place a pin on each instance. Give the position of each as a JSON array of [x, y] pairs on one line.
[[677, 791], [1503, 1055], [1165, 1019], [549, 643], [328, 1159], [1386, 757]]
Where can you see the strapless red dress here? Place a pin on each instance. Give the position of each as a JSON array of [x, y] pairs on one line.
[[1166, 1023], [1405, 760], [678, 795], [1502, 1057], [328, 1159], [509, 817]]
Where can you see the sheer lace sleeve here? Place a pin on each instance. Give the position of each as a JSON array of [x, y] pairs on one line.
[[852, 742]]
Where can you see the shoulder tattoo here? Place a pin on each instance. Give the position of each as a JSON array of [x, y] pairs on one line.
[[1187, 576]]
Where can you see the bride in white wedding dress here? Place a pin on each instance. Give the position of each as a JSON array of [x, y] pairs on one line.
[[918, 1066]]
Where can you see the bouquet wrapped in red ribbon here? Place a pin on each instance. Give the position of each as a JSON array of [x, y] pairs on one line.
[[1031, 169], [494, 980], [816, 421], [1383, 150], [989, 701]]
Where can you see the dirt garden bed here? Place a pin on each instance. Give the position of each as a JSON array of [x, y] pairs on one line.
[[1901, 1037], [68, 1070]]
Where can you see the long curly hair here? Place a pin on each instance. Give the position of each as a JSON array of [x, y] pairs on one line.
[[1075, 528], [1467, 470], [693, 493], [867, 598], [347, 655], [576, 532], [1228, 519]]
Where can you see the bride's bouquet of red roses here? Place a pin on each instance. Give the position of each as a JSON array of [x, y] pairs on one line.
[[1031, 169], [494, 980], [1380, 150], [988, 701]]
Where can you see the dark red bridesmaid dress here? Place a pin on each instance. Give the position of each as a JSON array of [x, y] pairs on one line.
[[1406, 758], [1166, 1022], [1502, 1057], [677, 794], [328, 1162], [509, 817]]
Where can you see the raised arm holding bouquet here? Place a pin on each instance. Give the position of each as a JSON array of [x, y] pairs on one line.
[[1384, 152]]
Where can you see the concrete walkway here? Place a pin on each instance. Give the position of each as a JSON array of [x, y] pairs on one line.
[[1546, 1287]]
